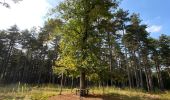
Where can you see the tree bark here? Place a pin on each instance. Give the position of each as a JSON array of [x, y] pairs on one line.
[[128, 70], [148, 75], [140, 69], [61, 83], [136, 69], [82, 83], [72, 83], [147, 82], [110, 57], [159, 76], [126, 59], [150, 79]]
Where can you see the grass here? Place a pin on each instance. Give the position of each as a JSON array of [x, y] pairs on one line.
[[131, 94], [28, 92], [43, 92]]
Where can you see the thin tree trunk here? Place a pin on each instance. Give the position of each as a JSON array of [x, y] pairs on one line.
[[150, 79], [159, 76], [141, 78], [148, 73], [61, 83], [147, 82], [140, 69], [127, 65], [136, 70], [72, 83], [6, 61], [132, 78], [136, 78]]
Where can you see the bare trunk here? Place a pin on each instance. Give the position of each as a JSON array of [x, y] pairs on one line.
[[72, 83], [136, 69], [136, 78], [6, 61], [140, 69], [147, 82], [159, 76], [148, 73], [110, 57], [127, 64], [131, 76], [61, 83], [141, 79], [82, 83], [150, 79], [129, 79]]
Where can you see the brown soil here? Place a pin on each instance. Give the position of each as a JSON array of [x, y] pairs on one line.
[[76, 97]]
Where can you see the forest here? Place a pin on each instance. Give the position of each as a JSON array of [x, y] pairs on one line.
[[85, 44]]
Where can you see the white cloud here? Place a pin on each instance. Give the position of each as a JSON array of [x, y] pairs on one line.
[[147, 22], [154, 28], [25, 14]]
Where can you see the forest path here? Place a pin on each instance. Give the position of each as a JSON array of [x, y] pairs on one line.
[[90, 97]]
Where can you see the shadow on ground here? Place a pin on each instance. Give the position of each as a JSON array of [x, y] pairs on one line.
[[112, 96]]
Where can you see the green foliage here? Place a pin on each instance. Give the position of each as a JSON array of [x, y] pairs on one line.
[[81, 33]]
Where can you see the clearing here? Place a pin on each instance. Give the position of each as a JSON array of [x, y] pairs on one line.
[[51, 92]]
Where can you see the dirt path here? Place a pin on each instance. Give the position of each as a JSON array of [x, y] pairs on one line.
[[75, 97]]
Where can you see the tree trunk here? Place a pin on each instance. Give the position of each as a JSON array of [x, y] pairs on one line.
[[61, 83], [82, 83], [136, 69], [159, 76], [150, 79], [136, 78], [147, 82], [140, 69], [6, 61], [128, 70], [148, 73], [131, 76], [126, 59], [72, 83], [110, 57]]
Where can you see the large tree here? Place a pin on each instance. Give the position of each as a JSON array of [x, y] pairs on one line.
[[81, 33]]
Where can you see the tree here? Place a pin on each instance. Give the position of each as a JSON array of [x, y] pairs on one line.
[[155, 57], [121, 21], [81, 35], [164, 47], [11, 40], [136, 41]]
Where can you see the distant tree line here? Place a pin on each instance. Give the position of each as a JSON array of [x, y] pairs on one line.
[[25, 56]]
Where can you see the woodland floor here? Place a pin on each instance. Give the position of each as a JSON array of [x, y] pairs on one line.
[[90, 97], [51, 92], [100, 97]]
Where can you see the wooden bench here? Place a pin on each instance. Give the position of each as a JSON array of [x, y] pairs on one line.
[[85, 91]]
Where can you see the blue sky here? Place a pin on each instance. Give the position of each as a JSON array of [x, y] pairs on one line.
[[154, 13], [27, 14]]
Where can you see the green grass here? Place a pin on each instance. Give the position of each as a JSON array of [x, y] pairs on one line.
[[131, 94], [43, 92], [28, 92]]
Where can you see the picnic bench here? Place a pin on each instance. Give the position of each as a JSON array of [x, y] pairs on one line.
[[82, 92]]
